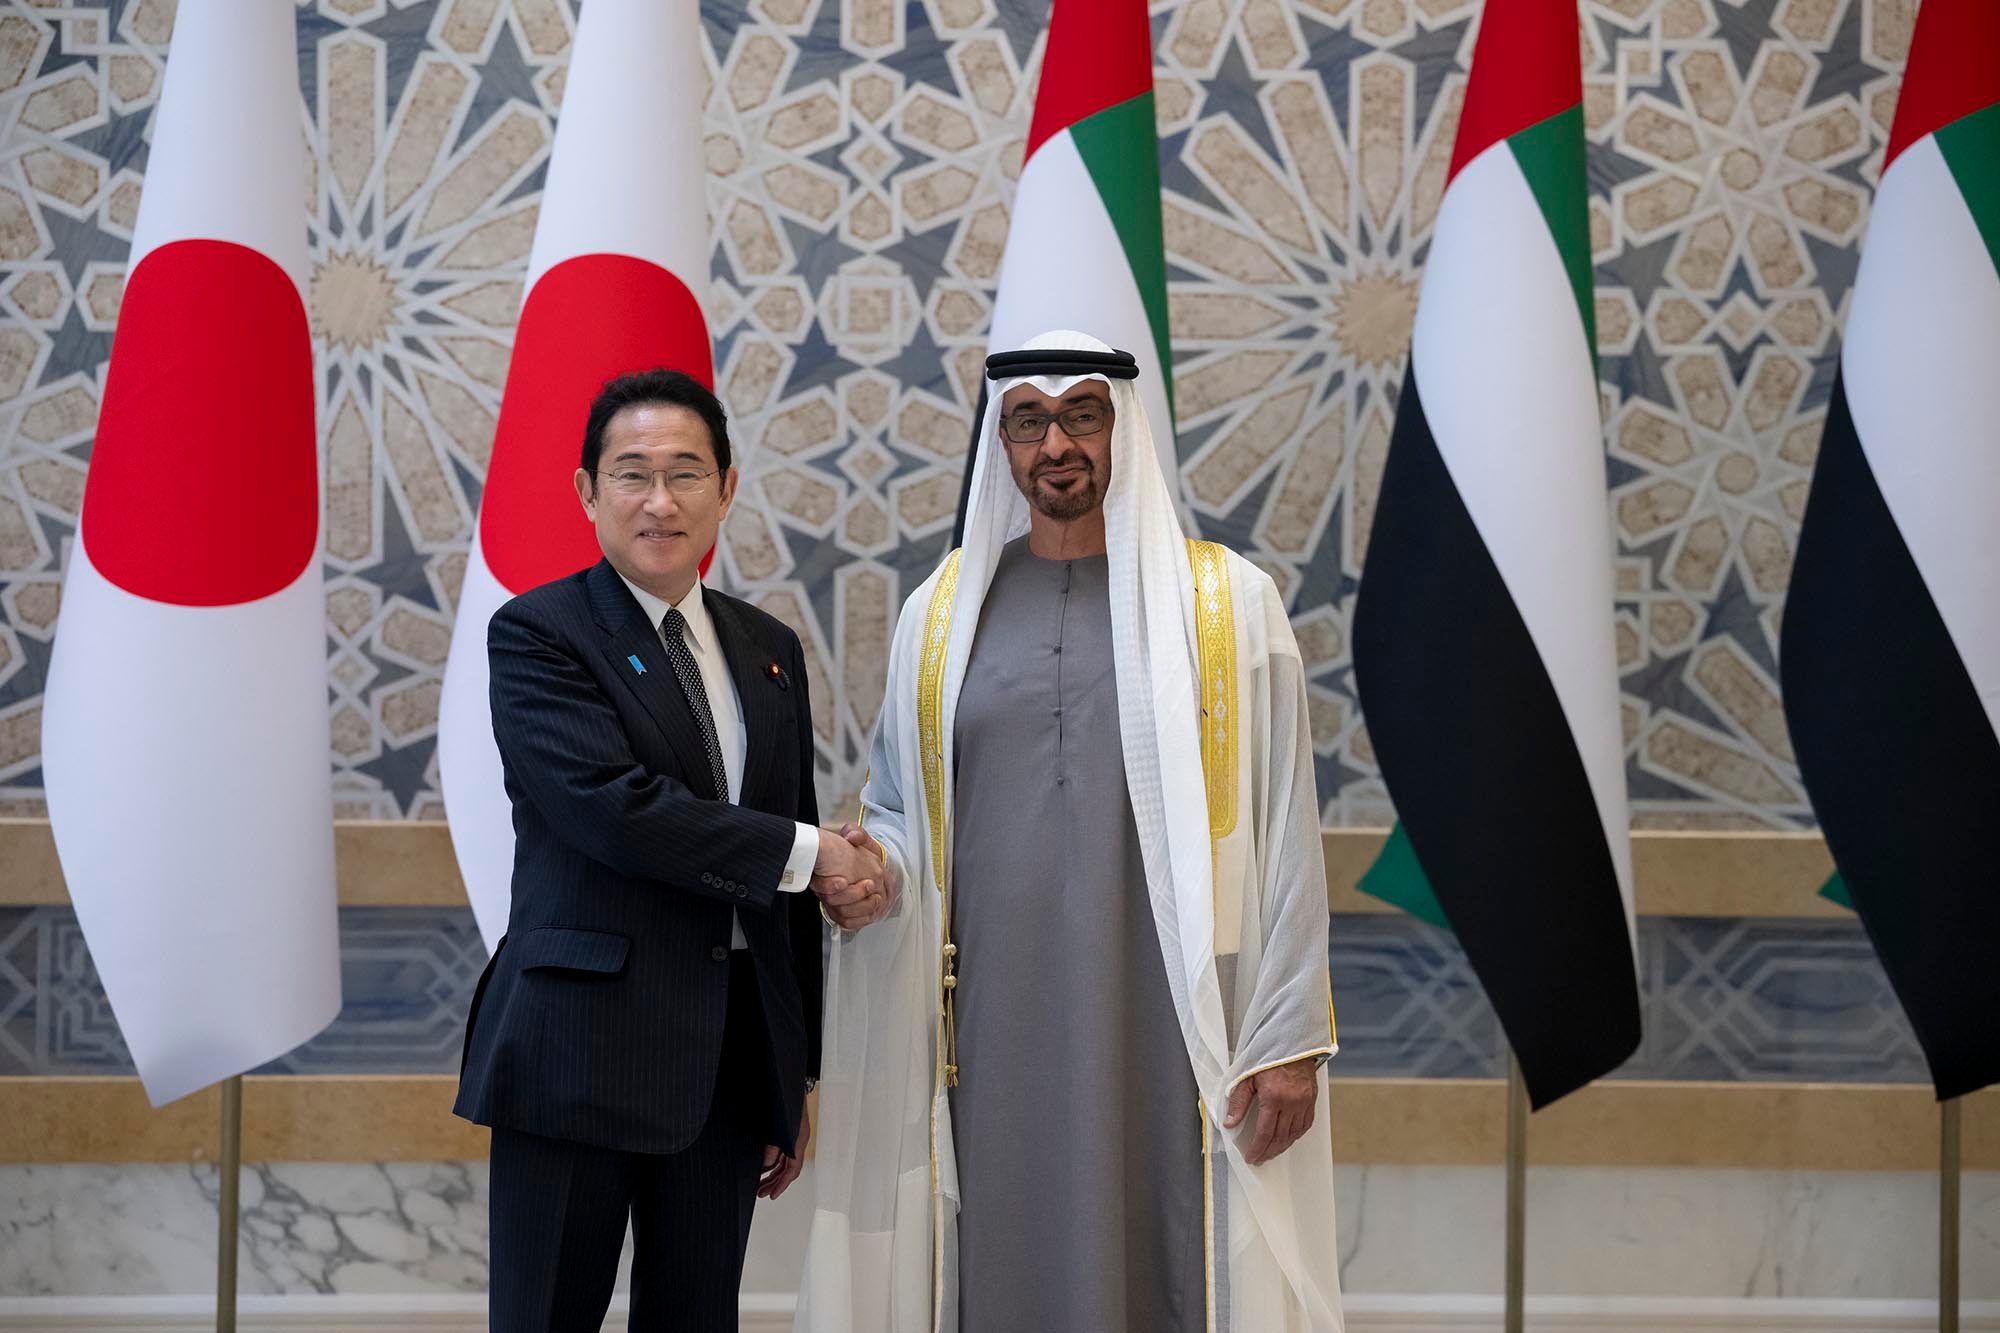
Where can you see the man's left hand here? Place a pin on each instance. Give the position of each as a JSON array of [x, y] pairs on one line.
[[1286, 1096], [782, 1168]]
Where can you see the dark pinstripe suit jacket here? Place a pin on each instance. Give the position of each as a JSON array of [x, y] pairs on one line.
[[600, 1017]]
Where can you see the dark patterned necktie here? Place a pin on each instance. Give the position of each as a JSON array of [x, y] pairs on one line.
[[674, 626]]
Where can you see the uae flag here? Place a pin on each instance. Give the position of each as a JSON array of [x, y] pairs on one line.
[[1890, 654], [184, 732], [1483, 650], [620, 253], [1084, 246]]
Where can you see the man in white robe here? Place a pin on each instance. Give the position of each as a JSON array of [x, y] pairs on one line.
[[1073, 1079]]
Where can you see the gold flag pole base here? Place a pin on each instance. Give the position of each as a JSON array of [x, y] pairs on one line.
[[227, 1204], [1517, 1196], [1949, 1112]]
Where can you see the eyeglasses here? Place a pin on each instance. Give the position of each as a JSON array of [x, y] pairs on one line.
[[639, 480], [1077, 422]]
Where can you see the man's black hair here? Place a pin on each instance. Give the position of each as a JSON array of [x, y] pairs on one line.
[[674, 388]]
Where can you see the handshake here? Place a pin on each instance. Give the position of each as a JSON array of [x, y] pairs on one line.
[[852, 878]]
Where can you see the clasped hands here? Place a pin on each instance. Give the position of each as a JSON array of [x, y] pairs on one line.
[[852, 878]]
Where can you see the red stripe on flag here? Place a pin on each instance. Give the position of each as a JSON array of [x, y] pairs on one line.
[[1525, 68], [587, 320], [1954, 69], [1100, 53], [204, 480]]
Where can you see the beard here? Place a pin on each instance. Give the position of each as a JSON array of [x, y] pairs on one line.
[[1072, 502]]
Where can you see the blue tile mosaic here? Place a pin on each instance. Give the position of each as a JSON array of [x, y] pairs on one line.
[[1407, 1004], [1758, 999], [1724, 999]]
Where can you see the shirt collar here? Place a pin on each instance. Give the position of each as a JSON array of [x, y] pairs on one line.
[[700, 627]]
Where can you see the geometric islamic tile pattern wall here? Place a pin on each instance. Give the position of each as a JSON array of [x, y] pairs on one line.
[[1723, 1000], [862, 155]]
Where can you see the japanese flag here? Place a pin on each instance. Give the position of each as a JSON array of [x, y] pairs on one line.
[[184, 732]]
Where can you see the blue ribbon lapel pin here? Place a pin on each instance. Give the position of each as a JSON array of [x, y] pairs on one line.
[[638, 667]]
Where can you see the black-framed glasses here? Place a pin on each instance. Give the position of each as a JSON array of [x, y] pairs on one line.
[[1077, 422], [639, 480]]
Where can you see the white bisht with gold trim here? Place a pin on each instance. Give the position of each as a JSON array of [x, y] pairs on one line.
[[1229, 833]]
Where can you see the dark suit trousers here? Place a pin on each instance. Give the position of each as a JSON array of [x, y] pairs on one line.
[[559, 1208]]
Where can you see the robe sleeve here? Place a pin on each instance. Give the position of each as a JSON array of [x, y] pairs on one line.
[[868, 1256], [884, 814], [1290, 1013]]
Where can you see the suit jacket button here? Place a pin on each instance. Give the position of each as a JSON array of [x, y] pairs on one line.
[[719, 953]]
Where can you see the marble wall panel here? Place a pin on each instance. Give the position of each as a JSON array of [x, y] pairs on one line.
[[420, 1228]]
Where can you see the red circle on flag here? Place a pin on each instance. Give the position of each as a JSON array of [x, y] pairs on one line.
[[204, 480], [586, 320]]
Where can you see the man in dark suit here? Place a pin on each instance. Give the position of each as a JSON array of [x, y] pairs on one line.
[[643, 1040]]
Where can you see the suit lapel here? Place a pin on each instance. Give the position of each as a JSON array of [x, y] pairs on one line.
[[656, 687], [749, 668]]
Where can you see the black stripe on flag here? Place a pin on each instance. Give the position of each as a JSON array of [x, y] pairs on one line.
[[1486, 777], [1899, 758]]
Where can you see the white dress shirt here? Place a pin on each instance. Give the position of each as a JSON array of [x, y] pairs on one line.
[[727, 710]]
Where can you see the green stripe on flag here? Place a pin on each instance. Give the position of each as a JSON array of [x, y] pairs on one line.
[[1120, 148], [1971, 148], [1835, 891], [1551, 157], [1398, 880]]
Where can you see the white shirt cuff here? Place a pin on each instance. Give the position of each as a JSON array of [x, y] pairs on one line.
[[798, 870]]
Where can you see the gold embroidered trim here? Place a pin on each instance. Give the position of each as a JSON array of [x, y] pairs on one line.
[[930, 728], [1215, 644], [930, 707], [930, 742], [1215, 640]]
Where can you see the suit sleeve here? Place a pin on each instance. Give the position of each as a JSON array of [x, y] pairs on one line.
[[564, 745], [806, 935]]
